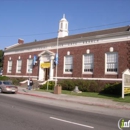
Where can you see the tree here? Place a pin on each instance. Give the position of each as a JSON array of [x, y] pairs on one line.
[[1, 58]]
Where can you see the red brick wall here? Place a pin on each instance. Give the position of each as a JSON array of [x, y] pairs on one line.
[[24, 57], [99, 59], [98, 50]]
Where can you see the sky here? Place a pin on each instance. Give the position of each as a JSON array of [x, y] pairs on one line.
[[38, 20]]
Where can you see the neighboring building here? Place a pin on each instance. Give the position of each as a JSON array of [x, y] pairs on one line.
[[98, 55]]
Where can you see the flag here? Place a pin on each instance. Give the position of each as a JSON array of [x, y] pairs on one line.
[[56, 58], [34, 59]]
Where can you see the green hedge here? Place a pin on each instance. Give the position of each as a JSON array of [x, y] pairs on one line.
[[102, 87], [112, 88], [49, 84], [4, 78], [83, 85], [15, 81]]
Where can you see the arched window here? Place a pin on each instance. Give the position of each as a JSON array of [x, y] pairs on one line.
[[66, 26], [61, 25]]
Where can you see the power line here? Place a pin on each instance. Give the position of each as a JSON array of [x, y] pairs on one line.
[[100, 25], [69, 30]]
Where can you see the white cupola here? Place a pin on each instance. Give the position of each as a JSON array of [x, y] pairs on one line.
[[63, 27]]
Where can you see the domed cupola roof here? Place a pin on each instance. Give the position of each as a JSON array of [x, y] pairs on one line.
[[63, 19], [63, 27]]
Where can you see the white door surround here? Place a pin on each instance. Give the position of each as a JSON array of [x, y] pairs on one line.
[[46, 57]]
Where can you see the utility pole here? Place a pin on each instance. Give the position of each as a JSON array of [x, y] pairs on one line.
[[56, 58]]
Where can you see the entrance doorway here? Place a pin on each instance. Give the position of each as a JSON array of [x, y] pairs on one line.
[[47, 72]]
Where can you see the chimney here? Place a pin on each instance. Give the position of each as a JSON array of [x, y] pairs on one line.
[[20, 41]]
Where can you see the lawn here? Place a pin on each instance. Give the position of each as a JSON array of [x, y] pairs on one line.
[[95, 95]]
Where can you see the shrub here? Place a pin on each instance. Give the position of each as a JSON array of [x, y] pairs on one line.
[[83, 85], [17, 81], [92, 86], [49, 84], [112, 88], [4, 78]]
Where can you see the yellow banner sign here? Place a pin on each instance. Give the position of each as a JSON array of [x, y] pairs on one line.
[[126, 90], [45, 65]]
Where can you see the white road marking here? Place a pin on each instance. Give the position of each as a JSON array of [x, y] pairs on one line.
[[71, 122]]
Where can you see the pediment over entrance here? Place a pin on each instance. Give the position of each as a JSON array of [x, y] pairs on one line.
[[46, 52]]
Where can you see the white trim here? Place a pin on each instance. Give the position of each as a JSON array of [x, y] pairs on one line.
[[14, 45], [26, 76], [123, 85], [67, 73], [105, 79], [87, 73], [46, 51], [81, 42], [64, 65]]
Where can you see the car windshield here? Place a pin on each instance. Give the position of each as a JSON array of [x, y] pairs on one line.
[[7, 83]]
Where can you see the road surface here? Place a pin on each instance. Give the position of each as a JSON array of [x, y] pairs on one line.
[[20, 112]]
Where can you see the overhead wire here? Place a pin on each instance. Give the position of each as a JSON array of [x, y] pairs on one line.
[[69, 30]]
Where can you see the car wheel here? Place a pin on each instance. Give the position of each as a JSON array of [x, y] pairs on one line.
[[0, 90], [13, 92]]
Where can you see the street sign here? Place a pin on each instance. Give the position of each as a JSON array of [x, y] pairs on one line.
[[125, 82], [45, 65]]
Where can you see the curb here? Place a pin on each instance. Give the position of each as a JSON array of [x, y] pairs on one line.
[[84, 103]]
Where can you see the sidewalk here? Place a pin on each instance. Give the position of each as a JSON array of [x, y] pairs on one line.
[[76, 99]]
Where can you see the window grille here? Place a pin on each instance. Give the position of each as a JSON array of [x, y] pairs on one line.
[[9, 66], [19, 66], [88, 63], [68, 63], [29, 65], [112, 62]]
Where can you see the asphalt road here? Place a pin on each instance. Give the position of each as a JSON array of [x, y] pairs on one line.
[[21, 114]]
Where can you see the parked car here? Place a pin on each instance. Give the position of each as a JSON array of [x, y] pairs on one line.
[[7, 86]]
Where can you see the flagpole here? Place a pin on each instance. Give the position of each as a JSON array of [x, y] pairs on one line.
[[57, 60]]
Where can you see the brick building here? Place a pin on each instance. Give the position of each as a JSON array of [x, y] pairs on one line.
[[98, 55]]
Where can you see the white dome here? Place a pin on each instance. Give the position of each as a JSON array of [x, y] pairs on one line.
[[63, 27], [64, 19]]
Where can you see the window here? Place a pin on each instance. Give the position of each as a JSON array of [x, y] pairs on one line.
[[61, 25], [29, 65], [68, 60], [66, 26], [112, 62], [88, 63], [9, 70], [19, 66]]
